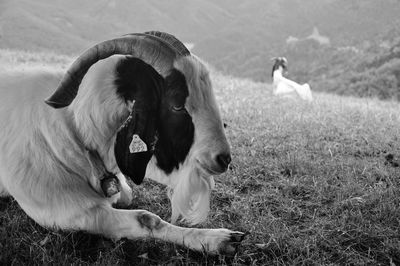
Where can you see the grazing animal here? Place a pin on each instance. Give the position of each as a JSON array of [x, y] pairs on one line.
[[132, 107], [283, 86]]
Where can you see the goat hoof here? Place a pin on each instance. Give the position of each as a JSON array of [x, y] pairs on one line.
[[110, 186], [230, 246]]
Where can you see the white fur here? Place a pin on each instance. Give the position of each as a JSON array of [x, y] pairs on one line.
[[283, 86]]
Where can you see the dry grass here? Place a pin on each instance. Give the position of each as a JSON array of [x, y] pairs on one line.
[[315, 184]]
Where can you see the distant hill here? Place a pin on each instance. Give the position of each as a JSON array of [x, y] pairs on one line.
[[237, 37], [369, 69]]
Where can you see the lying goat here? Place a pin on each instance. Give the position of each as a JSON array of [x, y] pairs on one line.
[[140, 105], [283, 86]]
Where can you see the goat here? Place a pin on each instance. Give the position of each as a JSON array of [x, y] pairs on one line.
[[132, 107], [283, 86]]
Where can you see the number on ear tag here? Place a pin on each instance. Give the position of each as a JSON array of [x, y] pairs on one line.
[[137, 145]]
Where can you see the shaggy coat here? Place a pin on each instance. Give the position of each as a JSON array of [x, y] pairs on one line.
[[47, 167]]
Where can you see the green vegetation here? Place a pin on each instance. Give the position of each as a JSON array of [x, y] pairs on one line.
[[371, 69], [237, 37], [314, 184]]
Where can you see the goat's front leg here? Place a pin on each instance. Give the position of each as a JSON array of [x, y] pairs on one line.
[[139, 224], [126, 191]]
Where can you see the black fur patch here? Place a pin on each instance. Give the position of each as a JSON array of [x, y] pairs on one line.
[[149, 221], [277, 64], [137, 81], [157, 103], [176, 129]]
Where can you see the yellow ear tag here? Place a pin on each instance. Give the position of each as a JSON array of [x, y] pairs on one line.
[[137, 145]]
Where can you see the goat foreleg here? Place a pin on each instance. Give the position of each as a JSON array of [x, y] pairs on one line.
[[141, 224]]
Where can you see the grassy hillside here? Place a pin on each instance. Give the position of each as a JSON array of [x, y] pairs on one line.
[[314, 184]]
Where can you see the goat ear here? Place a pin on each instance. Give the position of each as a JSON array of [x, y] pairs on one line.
[[139, 85], [135, 141]]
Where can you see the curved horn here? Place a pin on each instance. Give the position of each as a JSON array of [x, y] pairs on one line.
[[150, 48], [179, 47]]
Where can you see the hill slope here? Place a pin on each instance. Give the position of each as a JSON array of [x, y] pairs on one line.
[[238, 37]]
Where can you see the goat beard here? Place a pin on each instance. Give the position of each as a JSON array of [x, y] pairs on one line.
[[190, 196]]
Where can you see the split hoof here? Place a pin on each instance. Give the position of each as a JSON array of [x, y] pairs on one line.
[[229, 247]]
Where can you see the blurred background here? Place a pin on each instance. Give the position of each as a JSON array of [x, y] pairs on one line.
[[339, 46]]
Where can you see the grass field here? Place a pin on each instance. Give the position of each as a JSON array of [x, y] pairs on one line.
[[314, 184]]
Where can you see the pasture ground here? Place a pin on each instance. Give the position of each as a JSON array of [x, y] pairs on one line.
[[314, 184]]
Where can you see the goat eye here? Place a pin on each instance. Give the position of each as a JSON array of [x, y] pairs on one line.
[[178, 108]]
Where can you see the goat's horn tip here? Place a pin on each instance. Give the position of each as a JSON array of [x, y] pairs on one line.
[[54, 104]]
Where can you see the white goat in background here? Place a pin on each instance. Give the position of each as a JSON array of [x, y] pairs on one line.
[[285, 87]]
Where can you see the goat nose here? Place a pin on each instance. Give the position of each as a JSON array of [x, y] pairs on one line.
[[223, 160]]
